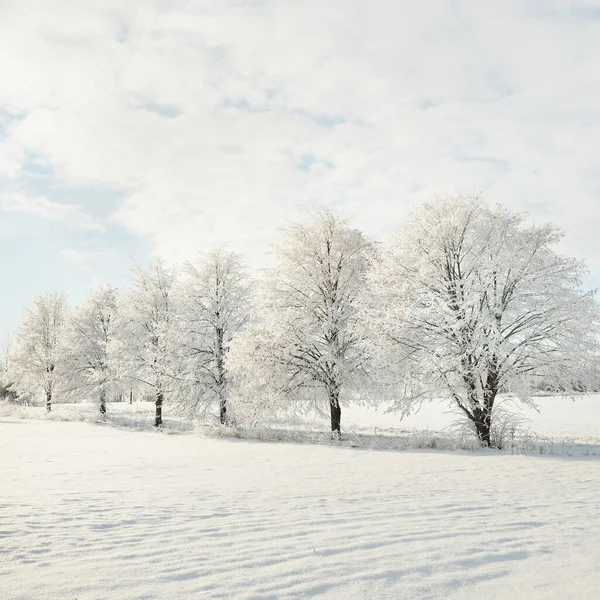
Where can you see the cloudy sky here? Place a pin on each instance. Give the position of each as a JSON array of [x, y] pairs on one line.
[[169, 126]]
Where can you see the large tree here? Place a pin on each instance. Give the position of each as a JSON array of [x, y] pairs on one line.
[[214, 307], [90, 359], [39, 347], [149, 312], [307, 347], [470, 301]]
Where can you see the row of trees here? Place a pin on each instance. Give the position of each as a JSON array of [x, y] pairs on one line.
[[466, 302], [162, 335]]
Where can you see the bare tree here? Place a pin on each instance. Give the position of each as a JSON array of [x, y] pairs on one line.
[[39, 347], [146, 348], [469, 301], [215, 306], [308, 345]]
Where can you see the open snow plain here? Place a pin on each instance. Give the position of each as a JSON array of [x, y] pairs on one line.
[[89, 512]]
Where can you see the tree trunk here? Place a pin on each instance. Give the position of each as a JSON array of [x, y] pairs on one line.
[[102, 401], [48, 401], [223, 411], [336, 411], [221, 376], [131, 396], [479, 413], [482, 419], [159, 403]]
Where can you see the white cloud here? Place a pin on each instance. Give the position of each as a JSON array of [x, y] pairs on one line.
[[78, 256], [43, 208], [205, 113]]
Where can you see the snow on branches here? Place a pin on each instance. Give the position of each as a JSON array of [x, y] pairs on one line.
[[307, 347], [90, 354], [214, 306], [149, 312], [469, 301], [39, 348]]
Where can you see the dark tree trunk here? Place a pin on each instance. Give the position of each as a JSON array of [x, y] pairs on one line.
[[336, 411], [221, 377], [481, 416], [131, 396], [102, 401], [223, 412], [48, 401], [483, 425], [159, 403]]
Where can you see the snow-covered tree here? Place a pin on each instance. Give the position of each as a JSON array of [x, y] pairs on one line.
[[306, 349], [214, 307], [39, 347], [146, 342], [90, 361], [469, 302], [5, 375]]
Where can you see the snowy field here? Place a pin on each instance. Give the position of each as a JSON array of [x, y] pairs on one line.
[[90, 511], [557, 418]]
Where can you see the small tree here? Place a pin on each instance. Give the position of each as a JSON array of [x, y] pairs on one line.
[[469, 302], [146, 341], [215, 305], [39, 347], [308, 345], [5, 371], [90, 356]]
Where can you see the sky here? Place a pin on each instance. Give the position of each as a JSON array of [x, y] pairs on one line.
[[129, 129]]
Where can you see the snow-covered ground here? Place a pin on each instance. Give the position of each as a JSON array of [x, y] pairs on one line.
[[91, 511], [561, 426], [556, 417]]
